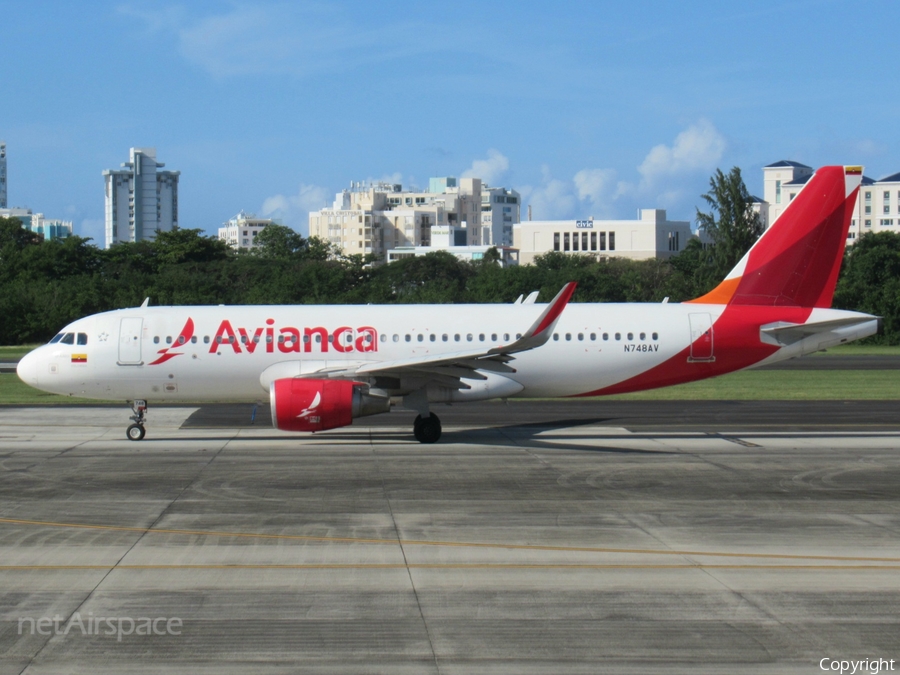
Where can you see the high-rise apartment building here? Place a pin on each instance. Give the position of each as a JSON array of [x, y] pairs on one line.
[[141, 200], [2, 175]]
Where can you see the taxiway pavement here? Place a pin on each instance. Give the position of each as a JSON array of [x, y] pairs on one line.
[[529, 546]]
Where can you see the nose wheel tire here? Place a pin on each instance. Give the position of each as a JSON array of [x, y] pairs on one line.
[[135, 432], [427, 429]]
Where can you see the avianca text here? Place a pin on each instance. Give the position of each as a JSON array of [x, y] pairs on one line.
[[290, 339]]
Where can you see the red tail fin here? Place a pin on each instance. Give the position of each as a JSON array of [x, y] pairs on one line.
[[796, 261]]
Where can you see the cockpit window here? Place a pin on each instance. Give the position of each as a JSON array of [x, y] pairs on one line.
[[56, 338], [68, 339], [82, 338]]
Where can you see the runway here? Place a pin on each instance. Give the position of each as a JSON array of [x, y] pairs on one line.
[[609, 542]]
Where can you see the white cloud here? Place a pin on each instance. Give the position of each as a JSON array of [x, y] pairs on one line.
[[293, 210], [281, 39], [699, 147], [490, 170], [670, 176], [596, 185], [553, 199]]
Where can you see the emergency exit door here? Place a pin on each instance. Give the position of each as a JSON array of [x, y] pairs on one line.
[[130, 341]]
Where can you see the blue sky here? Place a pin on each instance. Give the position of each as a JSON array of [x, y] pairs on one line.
[[587, 108]]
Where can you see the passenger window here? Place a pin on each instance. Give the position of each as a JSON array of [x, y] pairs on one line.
[[330, 338], [156, 339], [456, 337], [306, 339], [469, 337], [396, 338], [420, 337], [593, 337], [383, 337], [481, 337], [432, 337], [581, 336], [631, 336], [643, 336], [169, 339], [194, 339], [556, 336], [181, 339], [568, 336], [281, 339], [206, 339], [82, 338], [68, 339], [518, 336], [408, 337], [656, 336], [244, 339], [493, 337], [219, 339], [618, 336], [445, 337]]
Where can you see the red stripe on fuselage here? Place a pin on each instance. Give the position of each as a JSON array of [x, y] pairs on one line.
[[736, 345]]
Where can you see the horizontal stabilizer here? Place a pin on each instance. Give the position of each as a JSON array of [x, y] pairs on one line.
[[783, 333]]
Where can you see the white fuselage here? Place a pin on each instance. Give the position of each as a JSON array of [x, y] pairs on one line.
[[134, 353]]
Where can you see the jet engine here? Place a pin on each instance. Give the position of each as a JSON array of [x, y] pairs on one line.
[[316, 405]]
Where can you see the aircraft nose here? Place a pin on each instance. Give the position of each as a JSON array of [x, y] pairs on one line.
[[27, 369]]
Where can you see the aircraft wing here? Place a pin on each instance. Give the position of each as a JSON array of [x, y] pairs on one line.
[[448, 369]]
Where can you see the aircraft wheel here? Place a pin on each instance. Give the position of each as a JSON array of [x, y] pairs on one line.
[[427, 429], [135, 432]]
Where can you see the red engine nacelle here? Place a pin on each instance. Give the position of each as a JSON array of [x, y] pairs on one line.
[[316, 405]]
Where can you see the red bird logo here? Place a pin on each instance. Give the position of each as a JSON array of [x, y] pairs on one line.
[[186, 334]]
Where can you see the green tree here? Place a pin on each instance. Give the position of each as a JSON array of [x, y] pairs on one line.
[[188, 246], [870, 282], [279, 241], [732, 224]]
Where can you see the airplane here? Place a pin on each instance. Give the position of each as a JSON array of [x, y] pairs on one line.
[[323, 366]]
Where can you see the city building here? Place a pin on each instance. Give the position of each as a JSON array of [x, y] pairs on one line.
[[500, 210], [375, 218], [877, 207], [452, 239], [240, 232], [652, 236], [35, 222], [141, 200], [2, 175]]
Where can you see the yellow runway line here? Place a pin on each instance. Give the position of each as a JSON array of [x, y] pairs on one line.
[[460, 544]]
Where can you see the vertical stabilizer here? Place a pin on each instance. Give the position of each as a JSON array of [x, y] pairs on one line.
[[797, 260]]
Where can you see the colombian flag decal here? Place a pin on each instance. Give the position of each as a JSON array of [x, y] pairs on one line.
[[79, 358]]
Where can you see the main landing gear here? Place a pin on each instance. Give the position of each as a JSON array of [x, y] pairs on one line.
[[136, 431], [427, 429]]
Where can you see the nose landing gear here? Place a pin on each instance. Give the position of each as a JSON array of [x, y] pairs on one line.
[[136, 431]]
